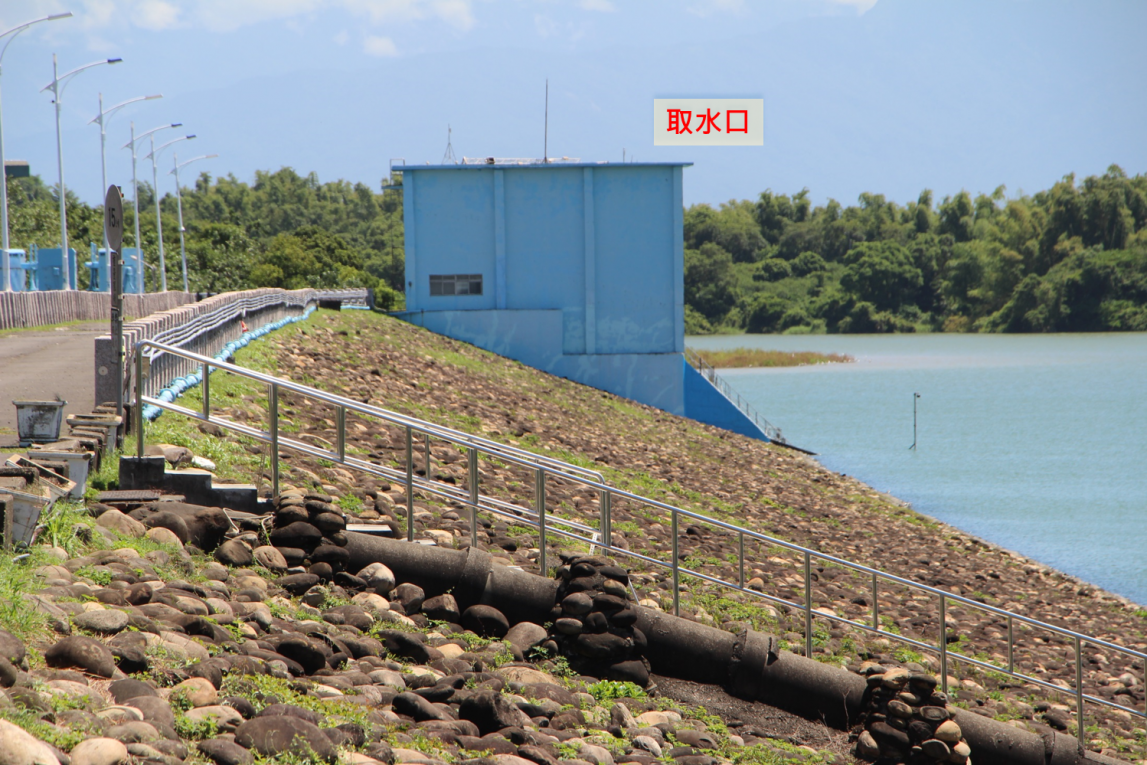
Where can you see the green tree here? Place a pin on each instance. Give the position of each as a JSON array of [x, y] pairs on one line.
[[710, 282], [883, 274]]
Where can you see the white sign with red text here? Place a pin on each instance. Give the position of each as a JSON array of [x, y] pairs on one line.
[[708, 122]]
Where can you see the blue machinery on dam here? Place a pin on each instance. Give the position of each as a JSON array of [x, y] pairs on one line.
[[574, 268]]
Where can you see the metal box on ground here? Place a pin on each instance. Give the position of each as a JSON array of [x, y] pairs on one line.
[[38, 421]]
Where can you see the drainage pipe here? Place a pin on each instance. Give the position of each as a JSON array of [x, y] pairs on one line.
[[749, 665], [469, 575]]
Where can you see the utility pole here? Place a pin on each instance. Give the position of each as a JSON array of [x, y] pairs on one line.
[[113, 235]]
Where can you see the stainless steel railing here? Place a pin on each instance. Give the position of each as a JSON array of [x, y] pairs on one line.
[[709, 372], [550, 525], [214, 328]]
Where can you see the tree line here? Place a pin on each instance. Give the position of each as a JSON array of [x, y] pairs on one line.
[[283, 230], [1072, 258]]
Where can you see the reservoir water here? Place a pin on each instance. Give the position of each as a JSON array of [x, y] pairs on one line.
[[1037, 443]]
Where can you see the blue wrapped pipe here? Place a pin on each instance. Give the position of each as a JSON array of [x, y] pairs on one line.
[[181, 385]]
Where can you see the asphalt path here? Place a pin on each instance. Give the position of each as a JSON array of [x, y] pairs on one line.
[[41, 364]]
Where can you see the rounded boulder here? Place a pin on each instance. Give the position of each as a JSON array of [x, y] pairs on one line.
[[99, 751], [83, 652], [485, 621], [271, 736]]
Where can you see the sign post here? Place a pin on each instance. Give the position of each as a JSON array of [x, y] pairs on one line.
[[113, 232]]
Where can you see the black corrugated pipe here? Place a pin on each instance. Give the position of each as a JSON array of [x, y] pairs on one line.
[[469, 575], [748, 665]]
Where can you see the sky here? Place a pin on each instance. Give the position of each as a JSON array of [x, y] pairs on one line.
[[880, 96]]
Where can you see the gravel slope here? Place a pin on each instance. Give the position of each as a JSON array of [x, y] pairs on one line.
[[697, 467]]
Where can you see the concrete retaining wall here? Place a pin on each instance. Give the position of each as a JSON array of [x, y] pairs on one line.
[[703, 402], [33, 309]]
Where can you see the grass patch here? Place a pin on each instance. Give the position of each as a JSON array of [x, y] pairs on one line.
[[17, 578], [608, 690], [264, 690], [739, 358]]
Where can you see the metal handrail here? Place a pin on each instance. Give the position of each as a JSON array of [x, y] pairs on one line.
[[771, 431], [223, 316], [538, 516], [494, 448]]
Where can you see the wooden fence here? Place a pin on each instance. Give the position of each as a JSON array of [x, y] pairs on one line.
[[34, 309]]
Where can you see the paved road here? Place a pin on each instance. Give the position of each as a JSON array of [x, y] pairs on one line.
[[40, 364]]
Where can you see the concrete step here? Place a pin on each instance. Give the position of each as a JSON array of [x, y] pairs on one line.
[[197, 486]]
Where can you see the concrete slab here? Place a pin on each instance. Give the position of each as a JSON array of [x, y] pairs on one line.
[[40, 364]]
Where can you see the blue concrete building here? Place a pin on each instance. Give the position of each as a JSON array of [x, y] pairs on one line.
[[574, 268]]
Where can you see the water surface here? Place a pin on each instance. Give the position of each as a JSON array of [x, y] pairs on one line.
[[1035, 442]]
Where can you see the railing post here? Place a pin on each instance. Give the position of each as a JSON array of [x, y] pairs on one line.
[[676, 570], [807, 605], [139, 402], [426, 445], [1011, 650], [741, 557], [540, 506], [206, 370], [274, 417], [409, 485], [943, 643], [340, 427], [606, 521], [473, 459], [1079, 726], [875, 603]]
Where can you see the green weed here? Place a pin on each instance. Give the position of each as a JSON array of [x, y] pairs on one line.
[[608, 690]]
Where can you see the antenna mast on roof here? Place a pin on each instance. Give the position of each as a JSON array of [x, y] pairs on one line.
[[546, 138], [448, 158]]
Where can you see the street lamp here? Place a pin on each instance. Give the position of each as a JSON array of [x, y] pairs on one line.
[[135, 186], [179, 205], [57, 86], [158, 215], [11, 34], [103, 118]]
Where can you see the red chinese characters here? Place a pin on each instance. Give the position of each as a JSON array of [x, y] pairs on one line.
[[743, 115], [679, 121], [708, 122]]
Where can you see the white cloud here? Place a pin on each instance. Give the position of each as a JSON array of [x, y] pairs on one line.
[[545, 26], [709, 7], [456, 13], [97, 13], [379, 46], [605, 6], [860, 5], [341, 38], [230, 15], [156, 15]]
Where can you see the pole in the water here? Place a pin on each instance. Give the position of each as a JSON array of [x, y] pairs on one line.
[[915, 397]]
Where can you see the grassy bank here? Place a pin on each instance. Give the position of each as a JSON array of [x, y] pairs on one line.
[[754, 357]]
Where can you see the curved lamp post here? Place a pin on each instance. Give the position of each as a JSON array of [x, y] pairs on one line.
[[135, 184], [102, 118], [179, 203], [153, 156], [57, 85], [11, 34]]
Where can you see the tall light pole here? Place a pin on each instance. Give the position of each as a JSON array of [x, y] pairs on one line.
[[179, 204], [11, 34], [57, 86], [102, 118], [135, 186], [158, 215]]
